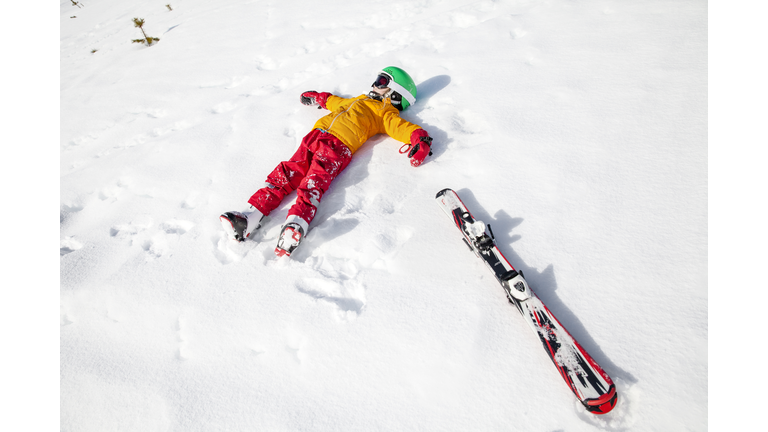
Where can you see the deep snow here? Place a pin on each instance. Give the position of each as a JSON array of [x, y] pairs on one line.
[[578, 130]]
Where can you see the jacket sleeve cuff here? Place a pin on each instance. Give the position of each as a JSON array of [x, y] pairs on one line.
[[322, 99], [417, 135]]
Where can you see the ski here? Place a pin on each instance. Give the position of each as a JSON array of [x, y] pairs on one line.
[[591, 385]]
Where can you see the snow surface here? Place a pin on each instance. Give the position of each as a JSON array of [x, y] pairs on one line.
[[576, 129]]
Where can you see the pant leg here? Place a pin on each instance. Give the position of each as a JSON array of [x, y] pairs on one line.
[[330, 158], [285, 178]]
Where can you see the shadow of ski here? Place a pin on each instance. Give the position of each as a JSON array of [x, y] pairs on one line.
[[542, 283]]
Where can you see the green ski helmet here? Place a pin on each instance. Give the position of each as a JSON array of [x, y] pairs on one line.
[[403, 88]]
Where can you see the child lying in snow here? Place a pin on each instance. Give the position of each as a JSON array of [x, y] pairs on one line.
[[327, 150]]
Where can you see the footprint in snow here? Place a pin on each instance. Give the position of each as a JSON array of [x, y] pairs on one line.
[[131, 230], [176, 226], [154, 133], [153, 241], [384, 246], [182, 339], [347, 297], [69, 245], [68, 210], [229, 251], [159, 245], [149, 112], [224, 107]]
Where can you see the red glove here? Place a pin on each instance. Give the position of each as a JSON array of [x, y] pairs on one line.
[[421, 144], [314, 98]]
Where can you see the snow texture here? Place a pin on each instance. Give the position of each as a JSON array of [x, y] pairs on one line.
[[577, 129]]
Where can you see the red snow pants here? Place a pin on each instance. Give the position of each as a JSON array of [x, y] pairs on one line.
[[310, 171]]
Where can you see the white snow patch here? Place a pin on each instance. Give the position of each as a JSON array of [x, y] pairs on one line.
[[577, 130]]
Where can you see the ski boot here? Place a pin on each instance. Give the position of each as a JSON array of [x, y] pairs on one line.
[[290, 238], [239, 225]]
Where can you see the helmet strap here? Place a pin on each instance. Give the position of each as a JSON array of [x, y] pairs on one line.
[[374, 95]]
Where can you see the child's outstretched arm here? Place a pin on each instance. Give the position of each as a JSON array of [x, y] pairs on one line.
[[417, 141]]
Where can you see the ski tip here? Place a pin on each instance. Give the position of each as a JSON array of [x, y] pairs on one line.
[[442, 192], [604, 403]]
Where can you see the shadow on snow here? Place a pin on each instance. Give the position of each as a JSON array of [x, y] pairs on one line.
[[543, 283]]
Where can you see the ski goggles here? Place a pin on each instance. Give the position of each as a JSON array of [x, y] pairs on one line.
[[386, 81], [382, 81]]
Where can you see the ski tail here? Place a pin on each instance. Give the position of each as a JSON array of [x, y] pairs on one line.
[[604, 403], [591, 385]]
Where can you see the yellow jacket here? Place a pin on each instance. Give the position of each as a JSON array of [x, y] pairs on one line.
[[355, 120]]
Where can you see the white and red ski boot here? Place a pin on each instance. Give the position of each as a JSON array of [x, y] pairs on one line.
[[290, 238]]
